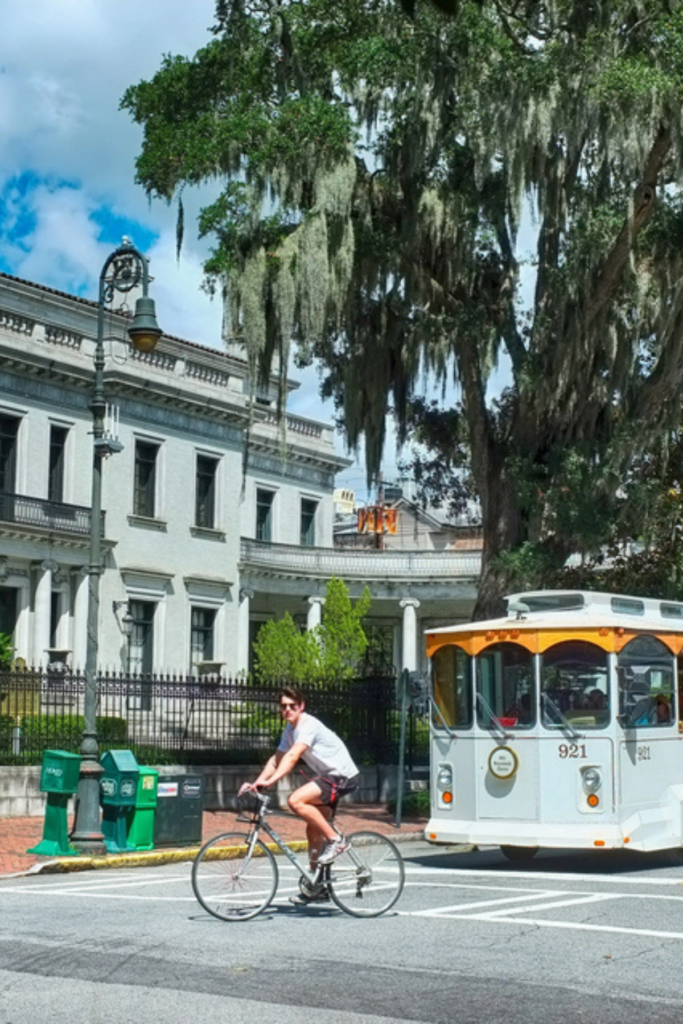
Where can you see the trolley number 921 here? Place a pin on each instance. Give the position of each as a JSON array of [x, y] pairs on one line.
[[572, 750]]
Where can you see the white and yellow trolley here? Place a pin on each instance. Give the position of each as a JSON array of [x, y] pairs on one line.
[[557, 726]]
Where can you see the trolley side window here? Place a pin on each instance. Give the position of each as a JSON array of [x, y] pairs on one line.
[[452, 682], [505, 687], [645, 667], [575, 686]]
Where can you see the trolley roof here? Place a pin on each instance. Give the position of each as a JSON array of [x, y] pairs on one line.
[[540, 609]]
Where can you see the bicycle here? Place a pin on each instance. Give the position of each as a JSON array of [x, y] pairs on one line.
[[235, 875]]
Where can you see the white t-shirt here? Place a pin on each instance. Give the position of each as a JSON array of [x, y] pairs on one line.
[[326, 754]]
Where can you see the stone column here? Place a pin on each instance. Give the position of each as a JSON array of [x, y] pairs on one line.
[[80, 621], [245, 597], [41, 613], [315, 612], [409, 651]]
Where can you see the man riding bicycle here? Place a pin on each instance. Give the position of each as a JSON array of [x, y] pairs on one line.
[[322, 750]]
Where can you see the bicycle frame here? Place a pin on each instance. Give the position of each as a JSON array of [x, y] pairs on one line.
[[258, 823]]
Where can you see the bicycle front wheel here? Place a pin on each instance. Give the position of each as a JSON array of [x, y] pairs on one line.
[[232, 883], [368, 878]]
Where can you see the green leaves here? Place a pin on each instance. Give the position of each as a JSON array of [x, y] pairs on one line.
[[6, 650], [376, 162], [331, 652]]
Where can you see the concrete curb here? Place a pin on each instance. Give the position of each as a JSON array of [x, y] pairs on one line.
[[69, 865]]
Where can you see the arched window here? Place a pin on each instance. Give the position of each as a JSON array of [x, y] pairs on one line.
[[645, 667], [505, 687], [575, 686], [452, 684]]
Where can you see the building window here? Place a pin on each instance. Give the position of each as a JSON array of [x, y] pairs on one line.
[[8, 610], [145, 479], [55, 482], [55, 615], [202, 636], [264, 515], [308, 511], [9, 428], [205, 501], [141, 649]]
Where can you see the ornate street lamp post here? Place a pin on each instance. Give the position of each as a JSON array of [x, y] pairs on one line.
[[124, 270]]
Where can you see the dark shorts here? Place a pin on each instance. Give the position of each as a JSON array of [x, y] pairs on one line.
[[333, 787]]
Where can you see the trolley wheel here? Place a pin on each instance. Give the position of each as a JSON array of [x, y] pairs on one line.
[[231, 883], [520, 854], [368, 878]]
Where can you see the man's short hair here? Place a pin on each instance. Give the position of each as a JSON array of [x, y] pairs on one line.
[[292, 693]]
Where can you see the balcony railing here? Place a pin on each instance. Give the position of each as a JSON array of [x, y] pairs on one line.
[[47, 515], [327, 562]]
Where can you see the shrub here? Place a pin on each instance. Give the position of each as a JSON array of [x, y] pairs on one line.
[[6, 725], [64, 732], [415, 804]]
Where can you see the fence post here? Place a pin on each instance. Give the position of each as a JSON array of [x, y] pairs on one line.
[[402, 746], [16, 739]]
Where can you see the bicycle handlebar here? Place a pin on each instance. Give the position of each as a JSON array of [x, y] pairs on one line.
[[261, 799]]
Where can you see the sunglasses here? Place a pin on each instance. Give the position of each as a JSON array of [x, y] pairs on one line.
[[288, 707]]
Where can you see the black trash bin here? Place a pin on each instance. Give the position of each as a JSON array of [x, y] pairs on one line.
[[180, 803]]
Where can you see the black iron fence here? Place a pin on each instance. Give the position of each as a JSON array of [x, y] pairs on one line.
[[169, 719]]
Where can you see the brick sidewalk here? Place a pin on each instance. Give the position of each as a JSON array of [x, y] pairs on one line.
[[17, 835]]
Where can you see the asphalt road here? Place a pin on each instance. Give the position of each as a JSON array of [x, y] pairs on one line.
[[596, 937]]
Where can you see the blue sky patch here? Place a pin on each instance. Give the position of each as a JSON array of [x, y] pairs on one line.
[[113, 228]]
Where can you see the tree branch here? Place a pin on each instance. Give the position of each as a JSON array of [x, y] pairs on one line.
[[607, 280]]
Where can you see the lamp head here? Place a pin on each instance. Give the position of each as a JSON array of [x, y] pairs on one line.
[[144, 331], [127, 624]]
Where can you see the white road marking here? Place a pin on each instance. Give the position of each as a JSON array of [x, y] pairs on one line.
[[576, 900], [535, 877], [92, 894], [615, 929], [84, 885], [458, 908]]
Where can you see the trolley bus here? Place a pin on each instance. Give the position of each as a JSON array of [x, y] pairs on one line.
[[557, 725]]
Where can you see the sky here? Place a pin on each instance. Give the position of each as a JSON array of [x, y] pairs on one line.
[[67, 163]]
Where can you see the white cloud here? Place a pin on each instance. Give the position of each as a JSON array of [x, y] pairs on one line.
[[64, 66]]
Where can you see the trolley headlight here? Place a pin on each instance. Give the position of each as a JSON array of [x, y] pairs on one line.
[[592, 780]]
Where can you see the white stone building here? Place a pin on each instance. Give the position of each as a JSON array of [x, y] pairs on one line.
[[216, 518]]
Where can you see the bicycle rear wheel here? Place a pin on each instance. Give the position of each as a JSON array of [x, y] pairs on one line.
[[368, 878], [232, 883]]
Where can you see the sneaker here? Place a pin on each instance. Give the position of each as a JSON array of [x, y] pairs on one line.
[[302, 900], [332, 850]]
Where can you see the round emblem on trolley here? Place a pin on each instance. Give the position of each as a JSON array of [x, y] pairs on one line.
[[503, 762]]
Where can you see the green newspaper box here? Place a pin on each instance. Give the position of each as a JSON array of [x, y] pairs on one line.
[[118, 788], [59, 779], [141, 817]]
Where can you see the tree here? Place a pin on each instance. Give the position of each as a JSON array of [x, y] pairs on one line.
[[6, 650], [329, 653], [376, 168], [283, 654], [645, 555], [341, 638]]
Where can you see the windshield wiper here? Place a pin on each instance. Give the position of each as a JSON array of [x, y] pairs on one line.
[[564, 723], [494, 725]]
